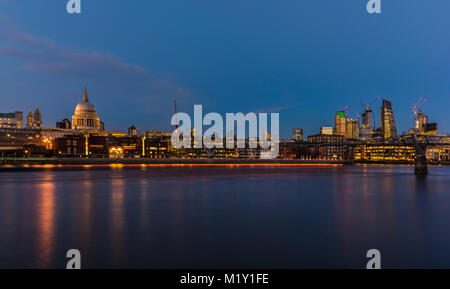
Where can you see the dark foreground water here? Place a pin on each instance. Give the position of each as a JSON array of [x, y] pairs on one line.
[[225, 217]]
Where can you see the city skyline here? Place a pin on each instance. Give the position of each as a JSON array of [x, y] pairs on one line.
[[340, 127], [134, 77]]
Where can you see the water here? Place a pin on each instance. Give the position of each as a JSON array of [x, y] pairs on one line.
[[225, 216]]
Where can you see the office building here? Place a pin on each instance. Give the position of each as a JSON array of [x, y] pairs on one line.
[[352, 129], [388, 127], [340, 123], [11, 120]]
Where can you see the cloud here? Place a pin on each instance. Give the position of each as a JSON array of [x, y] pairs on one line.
[[45, 56]]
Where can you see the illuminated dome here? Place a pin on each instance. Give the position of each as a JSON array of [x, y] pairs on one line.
[[85, 107], [85, 117]]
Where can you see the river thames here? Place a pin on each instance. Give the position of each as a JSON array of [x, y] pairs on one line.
[[224, 216]]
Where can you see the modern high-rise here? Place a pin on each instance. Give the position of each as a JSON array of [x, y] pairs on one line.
[[352, 129], [367, 119], [297, 134], [387, 126], [367, 128], [340, 123]]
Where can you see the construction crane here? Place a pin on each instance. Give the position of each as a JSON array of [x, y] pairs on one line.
[[417, 104], [417, 112]]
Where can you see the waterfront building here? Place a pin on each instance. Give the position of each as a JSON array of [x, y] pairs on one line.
[[34, 120], [325, 138], [340, 123], [327, 130], [297, 134], [11, 120], [388, 127], [438, 153], [385, 152], [85, 117], [329, 147]]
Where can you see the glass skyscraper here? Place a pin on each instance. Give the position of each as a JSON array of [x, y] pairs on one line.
[[388, 127]]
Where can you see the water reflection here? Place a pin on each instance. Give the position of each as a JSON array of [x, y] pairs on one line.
[[46, 215], [117, 219], [266, 217]]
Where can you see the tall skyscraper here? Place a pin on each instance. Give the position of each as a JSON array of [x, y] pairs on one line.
[[367, 118], [367, 128], [352, 129], [297, 134], [388, 127], [340, 123]]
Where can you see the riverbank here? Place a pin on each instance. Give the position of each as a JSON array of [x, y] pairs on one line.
[[175, 161], [168, 161]]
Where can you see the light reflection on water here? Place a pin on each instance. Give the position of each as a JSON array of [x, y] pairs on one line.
[[224, 216]]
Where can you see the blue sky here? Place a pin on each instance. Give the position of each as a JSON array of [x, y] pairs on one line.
[[305, 59]]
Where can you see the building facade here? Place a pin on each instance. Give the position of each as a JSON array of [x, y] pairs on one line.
[[34, 120], [11, 120], [297, 134], [388, 127], [340, 123]]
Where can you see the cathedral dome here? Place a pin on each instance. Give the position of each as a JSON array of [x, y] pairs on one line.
[[85, 117], [85, 106]]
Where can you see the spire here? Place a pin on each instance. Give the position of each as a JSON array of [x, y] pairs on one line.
[[85, 95]]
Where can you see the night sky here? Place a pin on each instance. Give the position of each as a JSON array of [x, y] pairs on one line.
[[304, 58]]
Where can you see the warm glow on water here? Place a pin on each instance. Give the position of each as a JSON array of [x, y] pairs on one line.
[[224, 216], [49, 166]]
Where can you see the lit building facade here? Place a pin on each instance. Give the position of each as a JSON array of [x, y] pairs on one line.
[[388, 127], [438, 153], [352, 129], [11, 120], [297, 134], [34, 120], [382, 153], [340, 123], [326, 130]]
